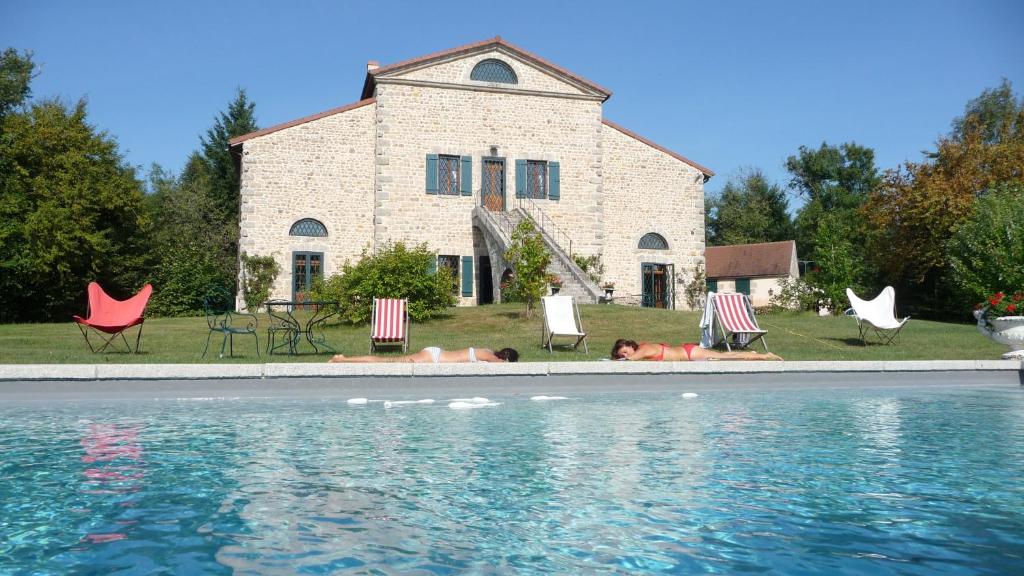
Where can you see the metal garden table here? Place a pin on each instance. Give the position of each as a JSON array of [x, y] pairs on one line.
[[283, 319]]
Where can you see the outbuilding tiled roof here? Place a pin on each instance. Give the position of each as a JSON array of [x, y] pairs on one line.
[[749, 260]]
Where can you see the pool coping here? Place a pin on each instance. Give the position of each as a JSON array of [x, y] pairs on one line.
[[104, 372]]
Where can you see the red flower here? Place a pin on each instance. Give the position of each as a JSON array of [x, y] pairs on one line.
[[997, 298], [1011, 308]]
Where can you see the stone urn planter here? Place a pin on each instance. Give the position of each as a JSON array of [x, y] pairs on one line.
[[1008, 330]]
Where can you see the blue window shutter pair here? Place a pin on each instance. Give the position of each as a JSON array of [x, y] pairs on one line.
[[467, 275], [554, 186], [431, 173], [467, 176], [554, 180], [520, 178]]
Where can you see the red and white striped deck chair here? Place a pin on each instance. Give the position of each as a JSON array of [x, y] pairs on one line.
[[735, 321], [389, 323]]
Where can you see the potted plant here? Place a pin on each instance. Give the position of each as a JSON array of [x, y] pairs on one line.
[[1001, 318], [609, 289], [555, 281]]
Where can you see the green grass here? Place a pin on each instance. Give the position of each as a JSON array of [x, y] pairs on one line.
[[795, 336]]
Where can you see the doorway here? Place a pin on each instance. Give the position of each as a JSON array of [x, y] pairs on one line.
[[656, 283], [485, 286], [305, 267], [492, 192]]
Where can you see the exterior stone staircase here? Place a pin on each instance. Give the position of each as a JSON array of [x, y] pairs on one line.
[[498, 226]]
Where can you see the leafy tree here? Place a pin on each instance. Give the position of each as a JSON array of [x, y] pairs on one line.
[[987, 252], [748, 210], [70, 212], [921, 205], [395, 271], [239, 119], [839, 264], [16, 73], [189, 244], [529, 259], [696, 289], [831, 180]]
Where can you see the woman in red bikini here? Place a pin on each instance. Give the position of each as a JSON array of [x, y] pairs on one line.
[[631, 350]]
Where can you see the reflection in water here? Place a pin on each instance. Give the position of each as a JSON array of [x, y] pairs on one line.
[[116, 456]]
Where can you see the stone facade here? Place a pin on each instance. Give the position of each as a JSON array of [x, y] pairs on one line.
[[361, 170]]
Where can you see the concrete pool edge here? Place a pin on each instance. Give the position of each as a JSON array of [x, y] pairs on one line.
[[105, 372]]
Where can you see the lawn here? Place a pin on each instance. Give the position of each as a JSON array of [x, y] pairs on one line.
[[795, 336]]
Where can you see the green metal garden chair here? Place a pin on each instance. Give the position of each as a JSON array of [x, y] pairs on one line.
[[221, 317]]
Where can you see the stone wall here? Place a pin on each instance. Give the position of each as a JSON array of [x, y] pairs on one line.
[[323, 169], [647, 190], [413, 121], [458, 72]]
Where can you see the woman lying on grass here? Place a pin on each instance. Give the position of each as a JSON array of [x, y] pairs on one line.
[[631, 350], [435, 355]]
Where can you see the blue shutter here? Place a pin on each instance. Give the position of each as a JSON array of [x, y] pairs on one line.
[[432, 266], [431, 173], [467, 176], [554, 189], [520, 178], [467, 275], [743, 286]]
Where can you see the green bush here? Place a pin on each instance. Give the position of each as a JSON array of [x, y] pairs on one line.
[[529, 259], [258, 275], [986, 254], [393, 272]]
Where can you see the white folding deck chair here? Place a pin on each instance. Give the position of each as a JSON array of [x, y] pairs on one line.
[[878, 315], [562, 318], [735, 321], [389, 323]]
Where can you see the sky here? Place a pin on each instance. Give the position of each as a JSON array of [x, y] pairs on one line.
[[731, 85]]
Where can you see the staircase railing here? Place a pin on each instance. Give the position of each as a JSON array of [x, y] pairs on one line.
[[545, 223]]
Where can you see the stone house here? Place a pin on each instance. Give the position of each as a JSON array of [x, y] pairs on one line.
[[753, 269], [453, 149]]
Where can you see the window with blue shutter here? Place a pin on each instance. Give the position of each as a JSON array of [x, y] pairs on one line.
[[467, 275], [520, 178], [448, 169], [431, 173], [467, 175], [554, 184], [536, 179]]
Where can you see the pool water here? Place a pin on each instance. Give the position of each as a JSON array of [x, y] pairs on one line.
[[879, 481]]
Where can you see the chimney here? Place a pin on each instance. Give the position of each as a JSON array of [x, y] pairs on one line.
[[372, 65]]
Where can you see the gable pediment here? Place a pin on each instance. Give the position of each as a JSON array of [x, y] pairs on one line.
[[455, 68]]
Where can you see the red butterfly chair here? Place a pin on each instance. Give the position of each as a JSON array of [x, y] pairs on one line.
[[108, 316]]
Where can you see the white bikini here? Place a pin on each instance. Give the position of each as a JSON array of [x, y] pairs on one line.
[[435, 353]]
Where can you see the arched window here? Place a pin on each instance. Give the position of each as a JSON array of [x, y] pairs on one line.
[[308, 227], [492, 70], [653, 241]]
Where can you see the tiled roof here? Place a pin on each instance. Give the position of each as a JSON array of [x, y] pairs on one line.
[[708, 173], [324, 114], [748, 260], [496, 41]]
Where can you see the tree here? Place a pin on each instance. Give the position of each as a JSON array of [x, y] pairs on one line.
[[920, 206], [16, 73], [831, 180], [189, 244], [749, 210], [224, 178], [70, 212], [839, 265], [529, 259]]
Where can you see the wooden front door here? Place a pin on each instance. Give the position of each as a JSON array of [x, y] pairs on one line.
[[656, 282], [492, 194], [305, 267]]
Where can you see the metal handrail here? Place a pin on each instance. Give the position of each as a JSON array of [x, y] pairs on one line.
[[544, 222]]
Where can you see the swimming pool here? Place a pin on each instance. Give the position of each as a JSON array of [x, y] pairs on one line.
[[879, 480]]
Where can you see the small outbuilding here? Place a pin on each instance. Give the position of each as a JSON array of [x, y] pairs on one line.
[[753, 269]]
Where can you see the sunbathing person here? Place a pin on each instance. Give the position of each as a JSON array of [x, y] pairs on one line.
[[631, 350], [435, 355]]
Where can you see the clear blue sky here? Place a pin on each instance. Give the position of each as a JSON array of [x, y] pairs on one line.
[[727, 84]]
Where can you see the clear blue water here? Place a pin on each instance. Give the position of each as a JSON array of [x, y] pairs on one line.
[[878, 481]]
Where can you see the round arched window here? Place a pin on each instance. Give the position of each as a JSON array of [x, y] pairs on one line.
[[653, 241], [492, 70], [308, 227]]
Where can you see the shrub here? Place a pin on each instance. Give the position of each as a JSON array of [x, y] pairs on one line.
[[840, 264], [392, 272], [592, 266], [258, 275], [987, 252], [795, 294]]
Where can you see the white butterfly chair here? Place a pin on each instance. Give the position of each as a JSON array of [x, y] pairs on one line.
[[562, 318], [878, 315]]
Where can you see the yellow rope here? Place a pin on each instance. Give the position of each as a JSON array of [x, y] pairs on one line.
[[829, 344]]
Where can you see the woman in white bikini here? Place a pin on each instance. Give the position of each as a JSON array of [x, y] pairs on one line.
[[435, 355]]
